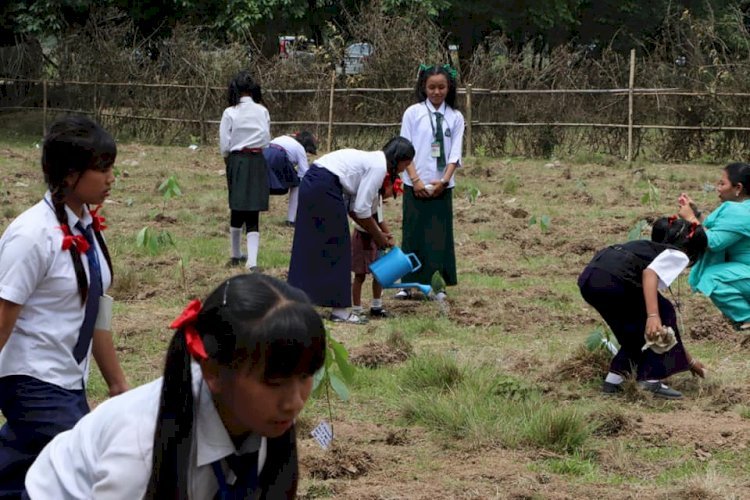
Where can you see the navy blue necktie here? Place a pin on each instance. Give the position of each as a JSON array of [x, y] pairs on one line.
[[92, 301], [245, 468]]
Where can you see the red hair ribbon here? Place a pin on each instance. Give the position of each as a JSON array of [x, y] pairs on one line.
[[98, 221], [671, 219], [186, 321], [398, 186], [70, 240]]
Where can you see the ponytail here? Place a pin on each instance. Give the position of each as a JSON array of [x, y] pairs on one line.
[[174, 426]]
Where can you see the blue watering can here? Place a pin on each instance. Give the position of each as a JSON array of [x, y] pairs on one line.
[[393, 265]]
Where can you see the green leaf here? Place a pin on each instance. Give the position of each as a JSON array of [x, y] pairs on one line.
[[637, 231], [342, 360], [319, 378], [339, 386], [594, 340], [437, 282], [532, 220], [140, 240]]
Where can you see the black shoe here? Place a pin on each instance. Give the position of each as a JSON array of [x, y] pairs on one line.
[[236, 261], [660, 390], [379, 312], [610, 388]]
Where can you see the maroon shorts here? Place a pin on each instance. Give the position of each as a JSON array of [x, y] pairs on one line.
[[364, 252]]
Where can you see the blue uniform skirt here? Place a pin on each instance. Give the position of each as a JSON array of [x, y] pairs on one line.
[[622, 306], [321, 262], [281, 172]]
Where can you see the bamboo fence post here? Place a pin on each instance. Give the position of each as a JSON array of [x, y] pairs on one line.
[[44, 107], [469, 143], [96, 103], [202, 113], [630, 105], [330, 111]]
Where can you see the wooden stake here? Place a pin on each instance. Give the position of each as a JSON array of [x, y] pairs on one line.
[[630, 105], [330, 112], [469, 143]]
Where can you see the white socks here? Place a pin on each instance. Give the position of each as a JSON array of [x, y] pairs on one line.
[[235, 233], [253, 239], [376, 303], [291, 214], [340, 312], [613, 378]]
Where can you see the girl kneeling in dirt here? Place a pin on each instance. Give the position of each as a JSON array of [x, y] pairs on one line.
[[219, 424], [622, 282]]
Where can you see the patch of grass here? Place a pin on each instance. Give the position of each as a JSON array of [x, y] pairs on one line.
[[510, 185], [575, 465], [431, 371], [744, 411], [484, 280], [558, 428]]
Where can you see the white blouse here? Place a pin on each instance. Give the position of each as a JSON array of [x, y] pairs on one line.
[[107, 455], [418, 124], [38, 274], [361, 174], [295, 152], [246, 125], [668, 265]]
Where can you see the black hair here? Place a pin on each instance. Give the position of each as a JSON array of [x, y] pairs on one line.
[[739, 173], [250, 320], [73, 145], [397, 150], [425, 73], [308, 141], [685, 236], [243, 84]]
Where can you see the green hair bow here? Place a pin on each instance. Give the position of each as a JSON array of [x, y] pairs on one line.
[[447, 67]]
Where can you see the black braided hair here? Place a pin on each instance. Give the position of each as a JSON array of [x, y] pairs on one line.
[[249, 320], [420, 89], [73, 145]]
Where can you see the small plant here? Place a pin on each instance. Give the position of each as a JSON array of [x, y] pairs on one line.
[[169, 188], [602, 338], [636, 233], [473, 193], [651, 196], [154, 243], [556, 428], [325, 378], [511, 185], [543, 221], [432, 371]]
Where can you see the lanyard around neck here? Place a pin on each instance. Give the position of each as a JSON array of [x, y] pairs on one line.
[[430, 115]]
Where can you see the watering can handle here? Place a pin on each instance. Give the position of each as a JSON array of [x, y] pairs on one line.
[[413, 258]]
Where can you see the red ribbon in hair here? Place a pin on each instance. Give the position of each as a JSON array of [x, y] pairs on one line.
[[98, 221], [693, 227], [70, 240], [671, 219], [186, 321], [398, 186]]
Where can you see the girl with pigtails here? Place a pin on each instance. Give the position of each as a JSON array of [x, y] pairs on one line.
[[436, 129], [54, 270], [219, 424]]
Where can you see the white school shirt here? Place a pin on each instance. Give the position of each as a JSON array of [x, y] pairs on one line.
[[108, 454], [361, 174], [668, 265], [377, 214], [417, 125], [38, 274], [295, 152], [246, 125]]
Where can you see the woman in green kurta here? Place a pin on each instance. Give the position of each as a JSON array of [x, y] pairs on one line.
[[723, 273]]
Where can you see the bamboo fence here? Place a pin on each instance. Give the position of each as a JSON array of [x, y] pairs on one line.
[[97, 109]]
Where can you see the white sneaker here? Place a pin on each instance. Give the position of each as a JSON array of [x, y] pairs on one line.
[[403, 294]]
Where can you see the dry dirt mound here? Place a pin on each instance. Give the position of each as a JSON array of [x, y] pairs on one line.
[[582, 366], [340, 461], [375, 354]]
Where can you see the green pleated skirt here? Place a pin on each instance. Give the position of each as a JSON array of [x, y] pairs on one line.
[[247, 181]]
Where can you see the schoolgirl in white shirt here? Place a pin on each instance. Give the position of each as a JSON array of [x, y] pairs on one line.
[[218, 424], [54, 269], [286, 157], [436, 129], [244, 130], [341, 182]]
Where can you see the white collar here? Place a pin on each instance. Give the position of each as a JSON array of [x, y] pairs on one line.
[[73, 219], [212, 438], [443, 107], [246, 98]]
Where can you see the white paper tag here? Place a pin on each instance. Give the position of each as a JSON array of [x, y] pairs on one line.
[[323, 434], [104, 317], [435, 150]]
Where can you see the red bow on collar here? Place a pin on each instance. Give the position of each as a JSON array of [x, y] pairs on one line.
[[70, 240], [98, 220], [186, 321]]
